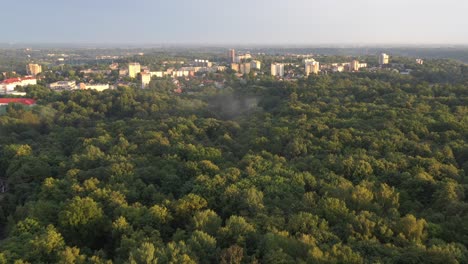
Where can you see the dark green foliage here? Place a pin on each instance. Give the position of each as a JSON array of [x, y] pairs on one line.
[[362, 168]]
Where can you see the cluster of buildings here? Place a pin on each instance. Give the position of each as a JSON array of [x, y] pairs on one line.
[[246, 67], [240, 63], [203, 63], [238, 58], [199, 65], [353, 66], [312, 66], [8, 86], [243, 63]]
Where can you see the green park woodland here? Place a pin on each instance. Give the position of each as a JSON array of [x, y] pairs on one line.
[[365, 167]]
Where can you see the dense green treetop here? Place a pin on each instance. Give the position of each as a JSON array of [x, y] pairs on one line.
[[346, 168]]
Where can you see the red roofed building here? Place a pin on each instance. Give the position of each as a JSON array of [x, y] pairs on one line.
[[9, 85], [24, 101]]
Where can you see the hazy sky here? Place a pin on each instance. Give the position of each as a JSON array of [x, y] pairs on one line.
[[236, 21]]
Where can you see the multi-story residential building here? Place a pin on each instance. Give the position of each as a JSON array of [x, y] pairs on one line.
[[232, 55], [34, 69], [383, 59], [255, 64], [241, 58], [145, 79], [133, 69], [245, 68], [420, 61], [311, 66], [354, 66], [277, 69]]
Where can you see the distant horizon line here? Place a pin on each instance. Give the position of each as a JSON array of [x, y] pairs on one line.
[[226, 45]]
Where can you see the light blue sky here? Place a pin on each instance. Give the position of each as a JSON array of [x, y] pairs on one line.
[[236, 21]]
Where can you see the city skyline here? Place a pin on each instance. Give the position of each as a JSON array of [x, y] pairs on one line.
[[295, 22]]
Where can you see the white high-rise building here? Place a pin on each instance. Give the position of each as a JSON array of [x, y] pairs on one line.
[[383, 59], [311, 66], [133, 69], [354, 66], [277, 69]]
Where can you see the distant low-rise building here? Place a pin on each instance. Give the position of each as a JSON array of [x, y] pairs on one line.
[[95, 71], [63, 85], [220, 68], [123, 72], [158, 74], [338, 68], [114, 66], [235, 67], [181, 73], [98, 87], [420, 61], [406, 72], [23, 101], [9, 85]]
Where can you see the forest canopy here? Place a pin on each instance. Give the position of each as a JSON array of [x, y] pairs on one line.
[[345, 168]]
